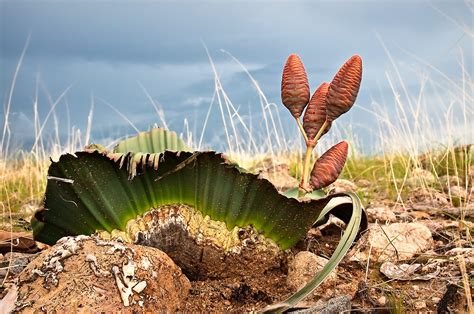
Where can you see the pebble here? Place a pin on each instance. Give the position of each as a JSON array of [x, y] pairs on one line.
[[435, 300], [364, 183], [382, 300], [420, 177], [381, 213], [304, 267], [457, 192], [419, 305]]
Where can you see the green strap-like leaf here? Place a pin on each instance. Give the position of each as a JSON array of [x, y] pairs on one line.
[[155, 141], [357, 217], [92, 191]]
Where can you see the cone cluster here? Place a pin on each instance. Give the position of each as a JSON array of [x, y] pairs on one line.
[[329, 101]]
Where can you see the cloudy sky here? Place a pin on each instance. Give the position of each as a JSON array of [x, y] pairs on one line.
[[112, 53]]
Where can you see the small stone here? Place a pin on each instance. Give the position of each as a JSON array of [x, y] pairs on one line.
[[304, 267], [363, 183], [419, 305], [227, 302], [421, 177], [458, 192], [381, 214], [18, 262], [340, 304], [398, 240], [449, 181], [435, 300], [382, 300]]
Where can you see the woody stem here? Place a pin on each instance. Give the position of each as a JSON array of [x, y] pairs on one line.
[[307, 158], [306, 166]]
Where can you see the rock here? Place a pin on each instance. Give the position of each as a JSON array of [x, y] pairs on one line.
[[421, 198], [406, 272], [398, 240], [435, 300], [363, 183], [421, 177], [382, 214], [449, 181], [466, 252], [14, 263], [304, 267], [382, 300], [419, 305], [457, 192], [340, 304], [342, 185], [85, 274]]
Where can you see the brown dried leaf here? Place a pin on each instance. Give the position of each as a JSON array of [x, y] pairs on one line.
[[294, 86], [17, 242], [315, 115], [344, 88], [328, 167]]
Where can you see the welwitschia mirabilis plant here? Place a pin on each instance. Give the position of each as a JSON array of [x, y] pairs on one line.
[[98, 190]]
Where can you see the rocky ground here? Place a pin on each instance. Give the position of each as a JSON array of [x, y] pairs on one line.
[[416, 255]]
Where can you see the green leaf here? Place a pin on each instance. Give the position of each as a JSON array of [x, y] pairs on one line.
[[357, 218], [155, 141], [90, 191]]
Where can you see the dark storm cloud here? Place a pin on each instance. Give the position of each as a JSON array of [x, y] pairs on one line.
[[106, 48], [168, 32]]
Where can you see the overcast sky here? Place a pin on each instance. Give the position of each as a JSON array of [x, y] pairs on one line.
[[106, 51]]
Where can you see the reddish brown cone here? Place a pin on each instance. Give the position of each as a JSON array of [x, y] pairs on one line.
[[328, 167], [344, 88], [315, 115], [294, 86]]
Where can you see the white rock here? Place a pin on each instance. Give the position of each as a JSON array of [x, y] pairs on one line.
[[398, 240]]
